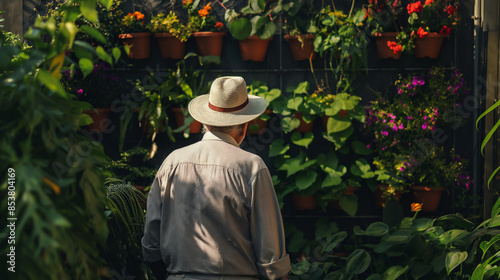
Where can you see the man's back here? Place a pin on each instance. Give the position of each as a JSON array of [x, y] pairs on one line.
[[216, 212]]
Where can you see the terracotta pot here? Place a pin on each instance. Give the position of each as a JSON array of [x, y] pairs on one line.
[[428, 46], [254, 48], [383, 51], [304, 126], [170, 46], [324, 118], [194, 127], [139, 43], [381, 201], [304, 203], [260, 122], [428, 197], [101, 119], [301, 51], [209, 43]]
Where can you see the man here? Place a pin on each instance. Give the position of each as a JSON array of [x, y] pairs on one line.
[[212, 211]]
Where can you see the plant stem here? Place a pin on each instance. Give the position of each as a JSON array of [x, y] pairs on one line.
[[352, 8]]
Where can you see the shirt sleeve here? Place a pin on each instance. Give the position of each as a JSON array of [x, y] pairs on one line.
[[267, 231], [151, 240]]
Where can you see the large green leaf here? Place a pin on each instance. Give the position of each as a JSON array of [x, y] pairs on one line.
[[300, 140], [87, 7], [360, 148], [265, 28], [375, 229], [452, 235], [357, 262], [333, 177], [331, 242], [288, 124], [94, 33], [454, 259], [335, 125], [294, 103], [51, 82], [277, 147], [305, 179], [86, 66], [419, 270], [240, 29], [349, 203], [106, 3], [422, 224], [393, 272], [103, 55]]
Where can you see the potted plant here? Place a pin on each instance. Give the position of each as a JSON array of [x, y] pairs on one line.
[[253, 26], [430, 23], [136, 35], [171, 34], [342, 42], [207, 30], [405, 125], [134, 166], [383, 21], [97, 85], [299, 24]]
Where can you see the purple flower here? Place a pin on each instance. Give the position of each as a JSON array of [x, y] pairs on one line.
[[80, 91], [424, 126], [402, 169], [385, 133], [401, 126]]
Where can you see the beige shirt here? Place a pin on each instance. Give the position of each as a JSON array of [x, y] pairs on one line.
[[212, 210]]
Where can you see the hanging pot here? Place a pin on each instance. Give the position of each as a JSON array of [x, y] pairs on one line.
[[194, 127], [209, 43], [304, 126], [428, 197], [383, 50], [301, 51], [304, 203], [170, 46], [428, 46], [254, 48], [100, 116], [139, 43]]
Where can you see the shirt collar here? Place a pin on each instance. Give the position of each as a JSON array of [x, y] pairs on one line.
[[216, 135]]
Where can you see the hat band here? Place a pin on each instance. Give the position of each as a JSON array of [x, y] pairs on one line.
[[226, 110]]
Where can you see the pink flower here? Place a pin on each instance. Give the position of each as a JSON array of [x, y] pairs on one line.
[[80, 91]]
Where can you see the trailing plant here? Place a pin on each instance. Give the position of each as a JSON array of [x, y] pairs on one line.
[[171, 24], [133, 23], [299, 17], [202, 19], [126, 218], [133, 166], [257, 18], [58, 173]]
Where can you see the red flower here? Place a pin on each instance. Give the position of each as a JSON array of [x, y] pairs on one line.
[[451, 9], [219, 25], [395, 4], [395, 47], [414, 7], [428, 2], [421, 32], [367, 14], [445, 31]]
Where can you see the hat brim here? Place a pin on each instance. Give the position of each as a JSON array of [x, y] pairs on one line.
[[199, 110]]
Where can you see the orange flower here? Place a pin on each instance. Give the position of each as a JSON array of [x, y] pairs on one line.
[[395, 47], [219, 25], [415, 207], [428, 2], [138, 15], [205, 11], [421, 32], [445, 31], [451, 9], [414, 7]]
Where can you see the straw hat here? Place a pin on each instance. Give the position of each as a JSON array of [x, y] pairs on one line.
[[227, 104]]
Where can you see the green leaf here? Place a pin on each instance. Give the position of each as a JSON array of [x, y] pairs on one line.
[[94, 33], [87, 7], [83, 50], [51, 82], [288, 124], [454, 259], [86, 66], [359, 17], [349, 203], [305, 179], [331, 242], [357, 262], [333, 177], [103, 55], [106, 3], [294, 103], [69, 30], [422, 224], [298, 140], [116, 54], [452, 235], [394, 272], [240, 29], [419, 270], [335, 125], [375, 229], [300, 267], [277, 147], [360, 148], [265, 28], [325, 228]]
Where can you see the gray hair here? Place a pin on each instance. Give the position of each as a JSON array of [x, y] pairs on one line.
[[225, 129]]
